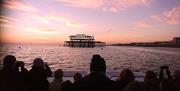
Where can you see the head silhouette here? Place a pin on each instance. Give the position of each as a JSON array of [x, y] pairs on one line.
[[77, 76], [127, 75], [58, 74], [97, 64], [150, 75], [38, 62], [9, 62]]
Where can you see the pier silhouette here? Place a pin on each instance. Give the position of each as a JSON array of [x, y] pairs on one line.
[[82, 40]]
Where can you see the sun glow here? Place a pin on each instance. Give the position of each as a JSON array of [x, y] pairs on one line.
[[117, 21]]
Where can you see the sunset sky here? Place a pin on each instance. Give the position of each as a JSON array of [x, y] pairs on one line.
[[111, 21]]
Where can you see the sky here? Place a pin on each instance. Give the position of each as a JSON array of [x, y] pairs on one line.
[[110, 21]]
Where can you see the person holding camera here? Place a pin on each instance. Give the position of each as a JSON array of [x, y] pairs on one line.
[[8, 76], [166, 82], [20, 67], [168, 73], [38, 76], [22, 74]]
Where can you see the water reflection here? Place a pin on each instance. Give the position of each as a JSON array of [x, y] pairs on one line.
[[117, 58]]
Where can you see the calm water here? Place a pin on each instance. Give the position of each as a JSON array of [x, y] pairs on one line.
[[117, 58]]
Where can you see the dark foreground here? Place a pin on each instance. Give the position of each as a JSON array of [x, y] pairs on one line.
[[15, 77]]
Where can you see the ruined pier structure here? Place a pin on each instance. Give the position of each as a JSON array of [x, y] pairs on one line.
[[82, 40]]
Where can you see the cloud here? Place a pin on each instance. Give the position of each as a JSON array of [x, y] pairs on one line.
[[7, 22], [45, 20], [143, 24], [170, 17], [40, 18], [67, 21], [17, 5], [50, 19], [6, 19], [41, 30], [106, 5]]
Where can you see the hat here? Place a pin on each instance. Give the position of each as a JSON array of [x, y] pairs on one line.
[[97, 63]]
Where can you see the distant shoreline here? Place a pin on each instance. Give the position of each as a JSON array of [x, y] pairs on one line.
[[174, 43], [144, 45]]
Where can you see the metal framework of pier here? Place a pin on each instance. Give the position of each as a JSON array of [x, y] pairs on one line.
[[82, 40]]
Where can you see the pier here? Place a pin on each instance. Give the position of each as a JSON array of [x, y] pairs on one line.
[[82, 40]]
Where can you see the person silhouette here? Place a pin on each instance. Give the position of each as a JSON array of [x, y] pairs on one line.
[[67, 86], [56, 84], [96, 80], [166, 83], [126, 76], [135, 86], [176, 79], [151, 81], [22, 74], [38, 76], [77, 77], [8, 75]]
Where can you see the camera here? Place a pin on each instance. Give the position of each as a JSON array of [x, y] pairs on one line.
[[20, 64]]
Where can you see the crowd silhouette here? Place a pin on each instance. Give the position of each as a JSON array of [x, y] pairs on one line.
[[15, 77]]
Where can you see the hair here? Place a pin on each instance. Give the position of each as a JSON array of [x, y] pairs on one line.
[[58, 74], [38, 62], [97, 63], [127, 75], [9, 61]]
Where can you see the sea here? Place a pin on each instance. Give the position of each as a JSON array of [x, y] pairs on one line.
[[138, 59]]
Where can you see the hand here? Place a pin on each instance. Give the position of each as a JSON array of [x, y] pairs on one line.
[[45, 64]]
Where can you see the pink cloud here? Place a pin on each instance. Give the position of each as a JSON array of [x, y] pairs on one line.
[[66, 20], [6, 19], [143, 24], [17, 5], [47, 19], [170, 17], [107, 5], [43, 30]]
